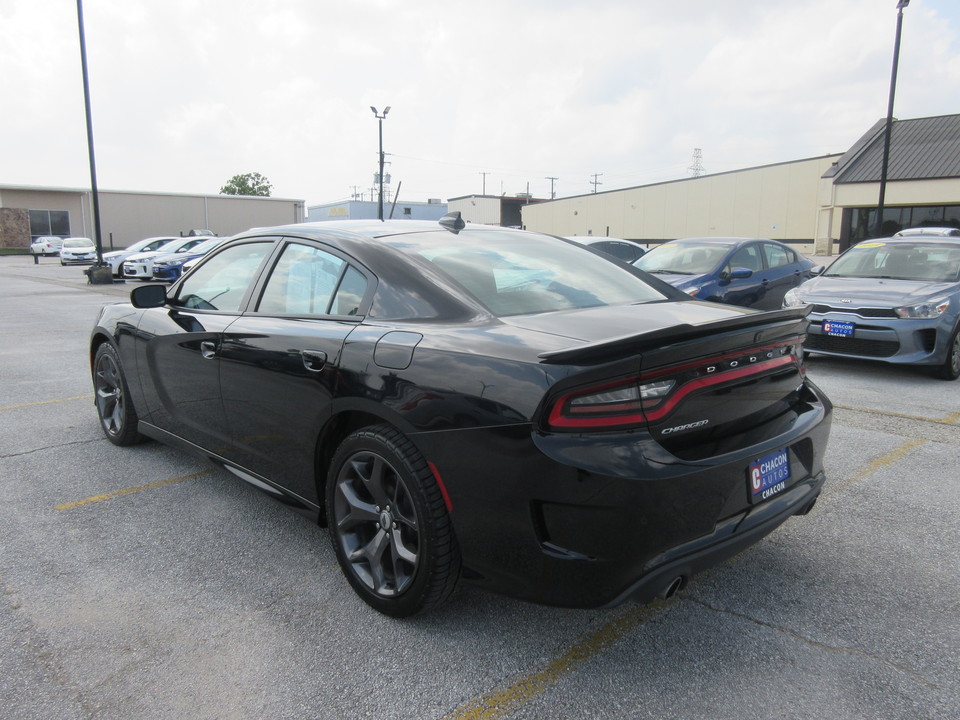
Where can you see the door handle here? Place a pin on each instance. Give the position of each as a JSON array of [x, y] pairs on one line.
[[208, 350], [313, 360]]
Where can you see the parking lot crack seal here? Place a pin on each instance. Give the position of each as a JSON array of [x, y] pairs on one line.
[[50, 447], [817, 645]]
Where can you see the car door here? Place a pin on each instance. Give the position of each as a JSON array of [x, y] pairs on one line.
[[748, 291], [279, 363], [178, 347], [783, 272]]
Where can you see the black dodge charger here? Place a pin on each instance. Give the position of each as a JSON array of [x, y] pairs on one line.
[[458, 401]]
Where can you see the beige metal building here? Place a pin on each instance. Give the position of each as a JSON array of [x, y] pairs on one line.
[[125, 217], [825, 202]]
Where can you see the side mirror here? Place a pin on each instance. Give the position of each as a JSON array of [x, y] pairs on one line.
[[149, 296], [740, 274], [817, 269]]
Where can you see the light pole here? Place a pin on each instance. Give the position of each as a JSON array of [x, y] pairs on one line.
[[380, 118], [886, 134]]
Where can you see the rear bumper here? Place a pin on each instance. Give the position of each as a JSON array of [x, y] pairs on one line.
[[584, 521], [730, 538]]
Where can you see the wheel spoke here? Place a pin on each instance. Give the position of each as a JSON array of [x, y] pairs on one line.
[[371, 471], [358, 511]]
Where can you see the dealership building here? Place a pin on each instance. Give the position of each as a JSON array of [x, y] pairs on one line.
[[826, 202], [125, 217]]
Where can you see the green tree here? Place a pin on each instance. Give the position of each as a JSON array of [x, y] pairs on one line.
[[247, 184]]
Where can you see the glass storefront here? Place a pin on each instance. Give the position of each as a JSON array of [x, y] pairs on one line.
[[861, 223]]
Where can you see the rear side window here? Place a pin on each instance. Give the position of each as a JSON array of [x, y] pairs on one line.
[[310, 281], [222, 282], [777, 256]]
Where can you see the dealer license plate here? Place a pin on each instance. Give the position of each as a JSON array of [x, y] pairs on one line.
[[837, 329], [768, 476]]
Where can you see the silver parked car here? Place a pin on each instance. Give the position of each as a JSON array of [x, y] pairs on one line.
[[892, 299]]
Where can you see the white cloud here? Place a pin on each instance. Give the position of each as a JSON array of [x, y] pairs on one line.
[[188, 93]]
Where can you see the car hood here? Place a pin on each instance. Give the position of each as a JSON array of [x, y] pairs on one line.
[[144, 255], [167, 257], [602, 323], [872, 291]]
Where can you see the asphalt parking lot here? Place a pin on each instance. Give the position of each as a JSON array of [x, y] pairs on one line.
[[145, 583]]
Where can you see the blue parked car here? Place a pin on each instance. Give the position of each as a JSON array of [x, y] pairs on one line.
[[169, 268], [750, 272]]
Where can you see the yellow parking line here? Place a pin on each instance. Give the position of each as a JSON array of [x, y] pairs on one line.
[[127, 491], [46, 402], [501, 703], [885, 460]]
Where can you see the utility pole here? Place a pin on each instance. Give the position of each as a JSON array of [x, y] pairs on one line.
[[889, 124], [596, 182], [380, 177], [484, 191], [553, 195]]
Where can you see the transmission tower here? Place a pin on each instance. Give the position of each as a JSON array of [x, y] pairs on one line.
[[596, 181], [697, 168]]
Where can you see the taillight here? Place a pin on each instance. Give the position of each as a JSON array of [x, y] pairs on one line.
[[651, 397]]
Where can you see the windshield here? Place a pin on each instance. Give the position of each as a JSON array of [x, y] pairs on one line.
[[206, 246], [519, 273], [77, 242], [930, 262], [683, 258]]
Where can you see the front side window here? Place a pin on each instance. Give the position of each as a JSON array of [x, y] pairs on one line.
[[222, 282], [747, 257]]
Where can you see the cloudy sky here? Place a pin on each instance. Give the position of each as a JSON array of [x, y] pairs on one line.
[[494, 95]]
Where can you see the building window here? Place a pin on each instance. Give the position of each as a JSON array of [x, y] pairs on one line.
[[407, 211], [49, 222], [863, 221]]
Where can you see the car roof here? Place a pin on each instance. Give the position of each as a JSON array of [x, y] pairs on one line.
[[934, 231]]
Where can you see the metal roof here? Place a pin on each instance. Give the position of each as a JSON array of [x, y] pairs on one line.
[[920, 149]]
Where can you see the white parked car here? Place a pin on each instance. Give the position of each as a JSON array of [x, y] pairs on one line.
[[115, 258], [140, 265], [78, 251], [46, 245]]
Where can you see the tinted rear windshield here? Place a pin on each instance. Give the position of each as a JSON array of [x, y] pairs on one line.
[[513, 273], [932, 262]]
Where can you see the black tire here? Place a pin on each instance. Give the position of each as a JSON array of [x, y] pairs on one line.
[[950, 370], [389, 524], [118, 417]]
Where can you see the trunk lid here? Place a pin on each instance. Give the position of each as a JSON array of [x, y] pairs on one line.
[[700, 389]]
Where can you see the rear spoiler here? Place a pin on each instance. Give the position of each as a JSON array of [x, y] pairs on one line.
[[770, 325]]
